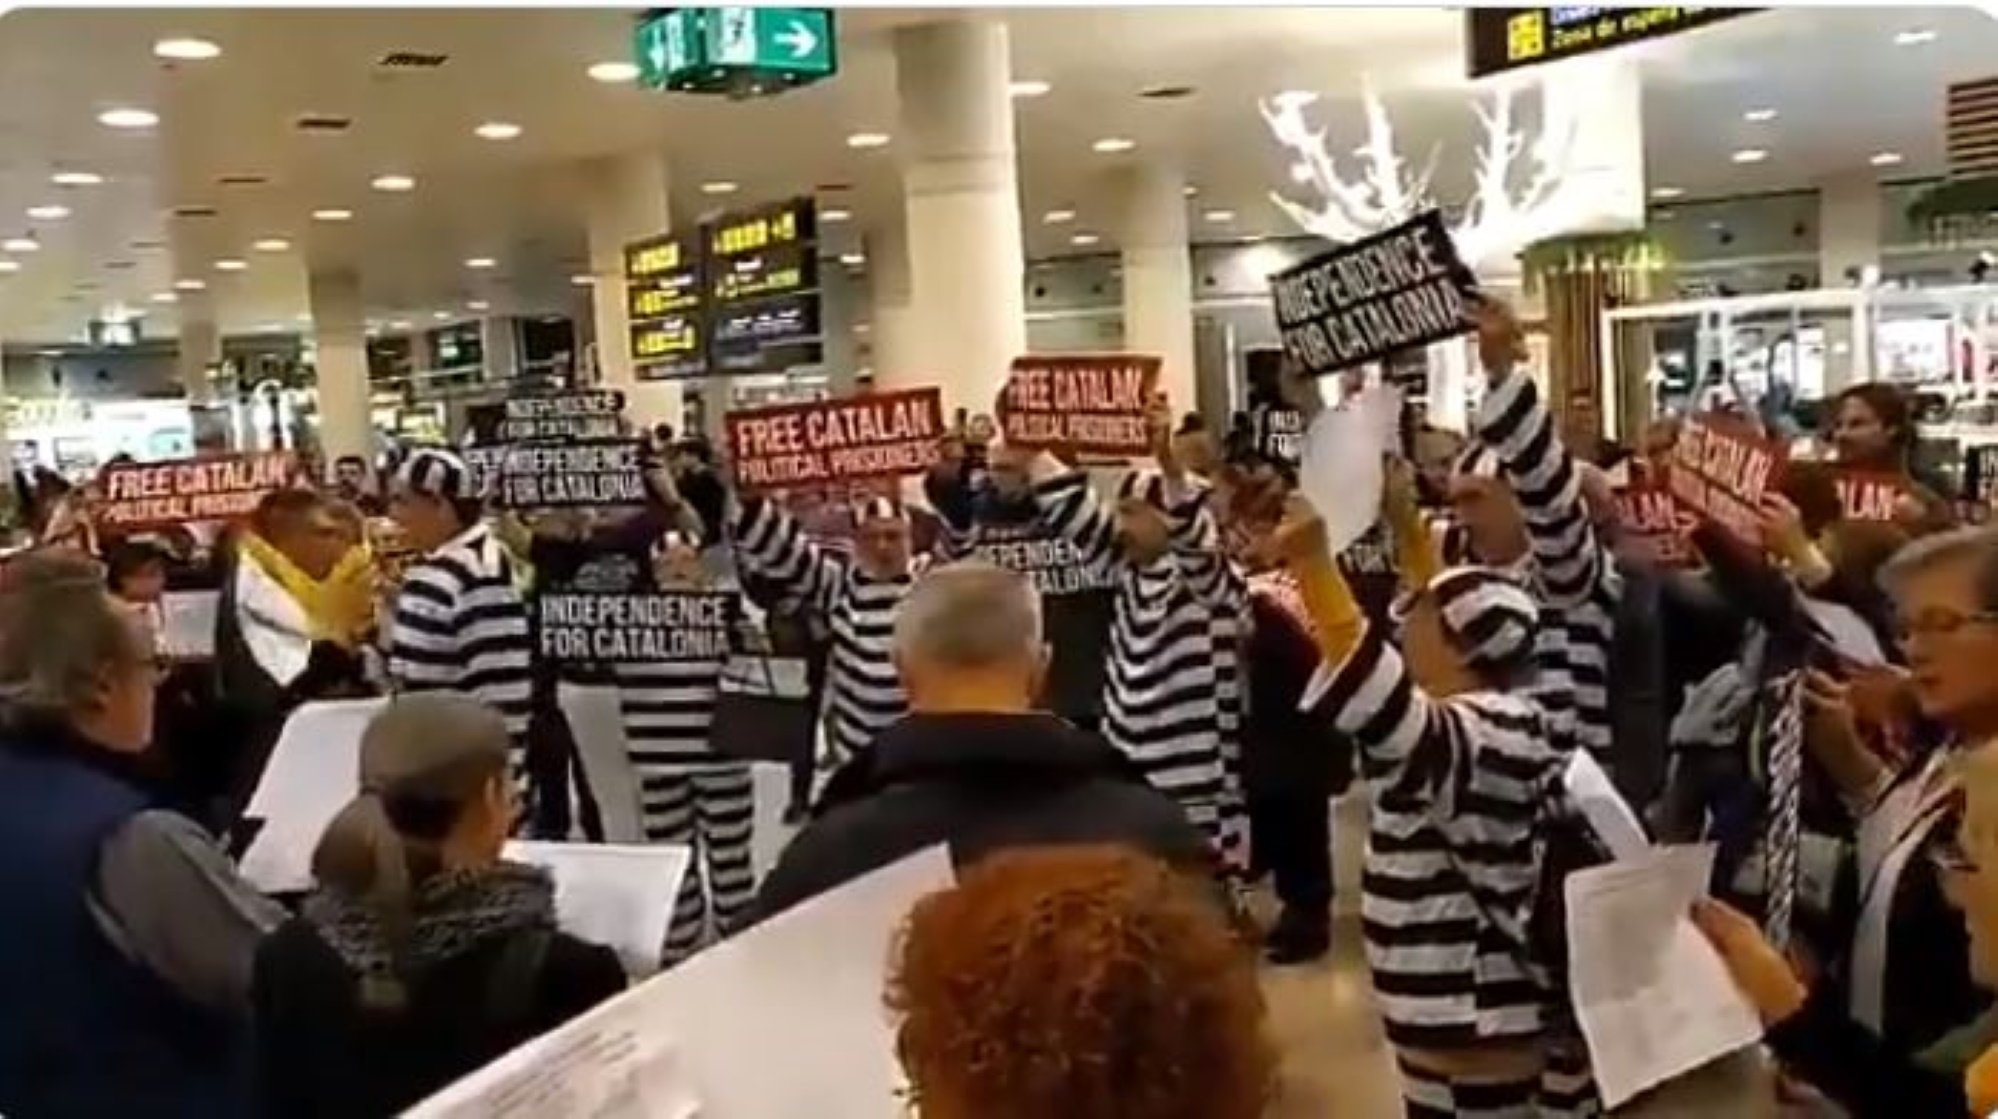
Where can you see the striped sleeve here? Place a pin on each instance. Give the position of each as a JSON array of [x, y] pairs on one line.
[[459, 628], [1195, 540], [1514, 423], [498, 650], [1070, 510], [771, 545]]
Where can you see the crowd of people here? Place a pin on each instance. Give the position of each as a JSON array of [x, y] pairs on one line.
[[1119, 700]]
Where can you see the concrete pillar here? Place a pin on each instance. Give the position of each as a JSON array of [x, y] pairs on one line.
[[199, 350], [1602, 100], [1848, 227], [963, 208], [501, 344], [627, 199], [840, 307], [891, 314], [1158, 275], [339, 324]]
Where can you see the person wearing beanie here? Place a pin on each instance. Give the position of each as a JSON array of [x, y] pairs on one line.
[[459, 624], [421, 955]]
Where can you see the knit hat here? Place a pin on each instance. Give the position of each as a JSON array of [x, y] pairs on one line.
[[1487, 614], [435, 472]]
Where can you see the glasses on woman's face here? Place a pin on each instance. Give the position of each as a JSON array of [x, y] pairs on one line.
[[1940, 623]]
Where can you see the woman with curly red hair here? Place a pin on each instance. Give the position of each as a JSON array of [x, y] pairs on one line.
[[1079, 982]]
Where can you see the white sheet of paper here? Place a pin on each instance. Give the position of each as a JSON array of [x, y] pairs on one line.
[[314, 771], [1849, 633], [1652, 997], [187, 624], [783, 1020], [1608, 814], [1341, 469], [615, 895], [597, 722]]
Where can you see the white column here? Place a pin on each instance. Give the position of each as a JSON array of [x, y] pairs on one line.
[[1158, 276], [627, 199], [1848, 227], [339, 328], [500, 342], [1602, 100], [198, 351], [840, 307], [959, 180], [891, 316]]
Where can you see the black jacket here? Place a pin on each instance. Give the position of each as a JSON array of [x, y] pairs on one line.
[[1858, 1071], [979, 783], [1287, 753]]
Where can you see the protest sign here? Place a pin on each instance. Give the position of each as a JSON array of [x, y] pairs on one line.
[[635, 628], [216, 488], [882, 435], [1394, 291], [1721, 468], [619, 896], [1088, 403], [1279, 434], [1646, 512], [313, 771], [1868, 496], [583, 472], [584, 414]]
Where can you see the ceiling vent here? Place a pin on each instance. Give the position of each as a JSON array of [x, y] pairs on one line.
[[120, 265], [411, 60], [323, 122], [194, 211], [1166, 92], [148, 246], [242, 180]]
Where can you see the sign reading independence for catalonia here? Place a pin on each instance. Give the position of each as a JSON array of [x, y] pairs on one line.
[[580, 472], [636, 628], [585, 414], [1500, 39], [1359, 303]]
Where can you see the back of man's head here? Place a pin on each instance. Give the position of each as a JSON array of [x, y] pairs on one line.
[[968, 638]]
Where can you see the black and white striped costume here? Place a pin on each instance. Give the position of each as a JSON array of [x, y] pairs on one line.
[[687, 794], [1162, 698], [1575, 580], [459, 623], [1452, 863], [863, 689]]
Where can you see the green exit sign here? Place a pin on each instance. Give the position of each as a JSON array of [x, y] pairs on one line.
[[737, 51]]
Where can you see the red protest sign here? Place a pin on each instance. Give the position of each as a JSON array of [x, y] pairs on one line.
[[1094, 403], [1647, 513], [881, 435], [217, 488], [1867, 496], [1721, 468]]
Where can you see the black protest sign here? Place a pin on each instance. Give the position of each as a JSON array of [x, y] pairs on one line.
[[685, 627], [1077, 604], [1054, 564], [1279, 434], [1361, 302], [556, 476], [558, 417]]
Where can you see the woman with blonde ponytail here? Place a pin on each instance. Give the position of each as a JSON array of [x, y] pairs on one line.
[[421, 955]]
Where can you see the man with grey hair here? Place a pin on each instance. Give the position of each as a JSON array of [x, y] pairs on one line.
[[974, 765]]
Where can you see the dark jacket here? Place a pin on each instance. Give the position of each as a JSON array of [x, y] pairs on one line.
[[979, 783], [84, 1031], [1857, 1071], [484, 973], [1287, 753]]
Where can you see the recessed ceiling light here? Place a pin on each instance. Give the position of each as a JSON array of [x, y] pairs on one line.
[[270, 328], [186, 50], [1111, 145], [721, 186], [497, 130], [1219, 215], [231, 264], [852, 260], [1189, 190], [1885, 159], [128, 118], [441, 316], [1057, 217], [613, 72], [394, 184], [270, 244], [76, 178], [1667, 192], [1914, 37], [189, 284], [399, 324], [165, 297], [477, 305], [50, 212], [332, 214], [481, 262], [20, 245], [1084, 239], [835, 215], [1028, 88], [10, 266], [1759, 116], [867, 140], [1749, 155]]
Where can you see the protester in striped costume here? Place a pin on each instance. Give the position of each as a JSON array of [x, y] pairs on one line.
[[687, 794], [459, 623], [856, 596], [1457, 760], [1162, 699]]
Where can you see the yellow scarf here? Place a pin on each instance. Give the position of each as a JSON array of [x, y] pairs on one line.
[[1980, 1083], [341, 607]]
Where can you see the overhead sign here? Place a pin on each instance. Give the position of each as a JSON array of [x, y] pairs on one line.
[[216, 488], [1721, 468], [599, 472], [883, 435], [664, 299], [639, 628], [1500, 39], [1396, 290], [1092, 403], [735, 50], [586, 414]]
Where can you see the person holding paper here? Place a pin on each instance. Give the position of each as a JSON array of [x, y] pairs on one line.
[[420, 956], [126, 959], [974, 764], [1458, 755], [459, 623]]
